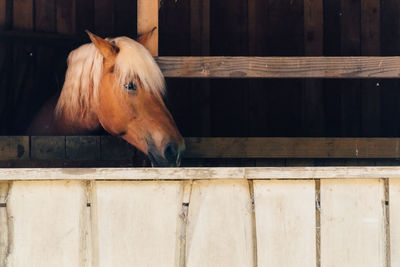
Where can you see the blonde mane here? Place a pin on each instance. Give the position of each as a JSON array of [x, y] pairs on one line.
[[79, 95]]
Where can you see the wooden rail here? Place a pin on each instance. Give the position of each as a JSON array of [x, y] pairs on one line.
[[252, 173], [242, 67], [280, 67], [108, 148]]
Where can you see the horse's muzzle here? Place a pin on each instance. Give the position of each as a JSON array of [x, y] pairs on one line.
[[172, 155]]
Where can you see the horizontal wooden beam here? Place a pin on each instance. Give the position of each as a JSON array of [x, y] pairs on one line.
[[199, 173], [293, 147], [280, 67], [111, 148], [244, 67]]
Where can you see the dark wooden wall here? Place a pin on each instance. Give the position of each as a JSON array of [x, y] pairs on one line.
[[32, 69]]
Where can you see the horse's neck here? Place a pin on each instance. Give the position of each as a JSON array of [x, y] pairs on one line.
[[46, 123], [76, 125]]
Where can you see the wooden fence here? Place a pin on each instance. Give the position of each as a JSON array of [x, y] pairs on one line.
[[326, 216]]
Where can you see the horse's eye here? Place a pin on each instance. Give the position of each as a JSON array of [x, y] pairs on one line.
[[131, 86]]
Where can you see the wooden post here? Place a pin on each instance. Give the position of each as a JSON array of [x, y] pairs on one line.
[[200, 46], [312, 97], [371, 90], [147, 19]]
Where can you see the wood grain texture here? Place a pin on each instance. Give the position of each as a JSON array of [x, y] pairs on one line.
[[285, 216], [4, 247], [48, 147], [14, 147], [104, 17], [143, 228], [45, 223], [370, 46], [254, 173], [147, 19], [219, 230], [280, 67], [53, 147], [394, 209], [2, 14], [292, 147], [23, 14], [66, 16], [312, 95], [45, 15], [352, 223], [82, 147]]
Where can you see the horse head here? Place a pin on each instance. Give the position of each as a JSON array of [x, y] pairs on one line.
[[121, 88]]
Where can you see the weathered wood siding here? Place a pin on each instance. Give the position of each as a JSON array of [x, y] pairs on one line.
[[32, 69], [345, 216]]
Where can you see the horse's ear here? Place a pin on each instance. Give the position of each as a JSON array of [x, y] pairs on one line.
[[106, 48], [143, 38]]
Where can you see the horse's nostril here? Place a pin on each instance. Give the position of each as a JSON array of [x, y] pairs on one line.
[[171, 152]]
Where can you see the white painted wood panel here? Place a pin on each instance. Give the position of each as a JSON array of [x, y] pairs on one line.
[[45, 224], [285, 223], [352, 223], [219, 230], [394, 206], [136, 223], [4, 186]]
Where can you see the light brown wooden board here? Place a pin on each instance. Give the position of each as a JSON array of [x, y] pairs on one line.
[[280, 67]]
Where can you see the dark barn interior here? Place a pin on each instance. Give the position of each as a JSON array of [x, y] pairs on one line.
[[37, 35]]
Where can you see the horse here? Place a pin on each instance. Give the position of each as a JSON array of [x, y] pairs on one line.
[[114, 84]]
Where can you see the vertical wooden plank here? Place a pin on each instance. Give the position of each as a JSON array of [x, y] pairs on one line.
[[259, 90], [390, 45], [136, 223], [84, 16], [21, 80], [147, 19], [200, 46], [312, 97], [285, 217], [370, 46], [126, 18], [394, 211], [332, 37], [23, 14], [45, 15], [46, 223], [44, 65], [5, 63], [284, 38], [352, 223], [350, 19], [4, 188], [66, 16], [104, 17], [219, 231], [2, 14], [229, 36]]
